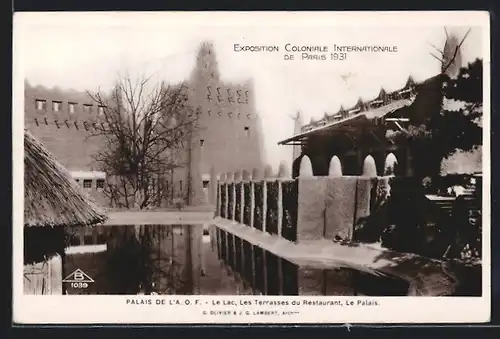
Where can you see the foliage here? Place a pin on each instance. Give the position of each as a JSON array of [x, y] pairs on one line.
[[147, 125], [454, 128], [401, 222]]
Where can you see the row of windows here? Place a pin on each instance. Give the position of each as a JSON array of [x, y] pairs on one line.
[[41, 105], [87, 183], [88, 239], [247, 134]]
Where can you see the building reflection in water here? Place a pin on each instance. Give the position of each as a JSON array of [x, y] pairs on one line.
[[132, 259]]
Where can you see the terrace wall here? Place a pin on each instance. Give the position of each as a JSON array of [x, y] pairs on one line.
[[335, 235]]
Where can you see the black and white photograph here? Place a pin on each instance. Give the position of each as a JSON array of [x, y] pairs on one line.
[[336, 158]]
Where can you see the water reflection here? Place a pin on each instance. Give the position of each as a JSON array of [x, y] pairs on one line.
[[161, 259], [131, 259]]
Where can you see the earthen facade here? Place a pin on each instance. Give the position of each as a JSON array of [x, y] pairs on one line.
[[228, 137]]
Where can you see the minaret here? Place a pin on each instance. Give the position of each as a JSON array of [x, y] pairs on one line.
[[207, 68], [297, 128], [452, 56]]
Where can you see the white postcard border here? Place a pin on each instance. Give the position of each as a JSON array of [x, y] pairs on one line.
[[114, 309]]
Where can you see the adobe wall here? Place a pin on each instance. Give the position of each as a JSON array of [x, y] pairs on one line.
[[64, 134], [228, 123]]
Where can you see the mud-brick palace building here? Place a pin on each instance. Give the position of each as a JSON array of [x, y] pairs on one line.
[[230, 134]]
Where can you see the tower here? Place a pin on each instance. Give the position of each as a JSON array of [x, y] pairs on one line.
[[451, 56], [297, 127], [228, 126]]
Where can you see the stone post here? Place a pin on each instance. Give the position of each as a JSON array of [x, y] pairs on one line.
[[283, 174], [306, 170], [369, 167], [268, 174], [335, 169], [390, 164], [255, 178], [311, 203], [245, 178], [237, 196], [223, 191], [310, 222], [229, 180]]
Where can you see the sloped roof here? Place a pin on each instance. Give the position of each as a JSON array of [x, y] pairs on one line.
[[51, 197], [351, 122], [364, 113]]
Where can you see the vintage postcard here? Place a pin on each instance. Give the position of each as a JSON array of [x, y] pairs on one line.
[[237, 167]]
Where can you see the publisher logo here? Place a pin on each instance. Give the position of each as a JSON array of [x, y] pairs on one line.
[[78, 279]]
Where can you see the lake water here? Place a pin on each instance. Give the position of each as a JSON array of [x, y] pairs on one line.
[[160, 259], [131, 259]]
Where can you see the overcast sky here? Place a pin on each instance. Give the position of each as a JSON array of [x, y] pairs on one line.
[[86, 51]]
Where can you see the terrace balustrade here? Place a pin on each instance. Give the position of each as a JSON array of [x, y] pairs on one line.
[[283, 236]]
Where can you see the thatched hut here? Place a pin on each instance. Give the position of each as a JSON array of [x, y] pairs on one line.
[[52, 201]]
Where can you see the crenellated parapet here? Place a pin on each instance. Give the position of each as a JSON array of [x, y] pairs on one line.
[[58, 106], [316, 235], [229, 134]]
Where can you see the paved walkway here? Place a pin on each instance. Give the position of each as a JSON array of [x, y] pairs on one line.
[[185, 217]]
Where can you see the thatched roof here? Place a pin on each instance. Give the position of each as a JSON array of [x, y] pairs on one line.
[[51, 196]]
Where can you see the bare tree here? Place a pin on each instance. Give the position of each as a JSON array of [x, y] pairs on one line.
[[145, 126]]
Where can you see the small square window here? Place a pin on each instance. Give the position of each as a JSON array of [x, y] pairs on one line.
[[87, 183], [71, 107], [56, 106], [41, 105], [100, 183], [247, 131], [87, 108]]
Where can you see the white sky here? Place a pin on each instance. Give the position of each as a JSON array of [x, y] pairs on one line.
[[86, 51]]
